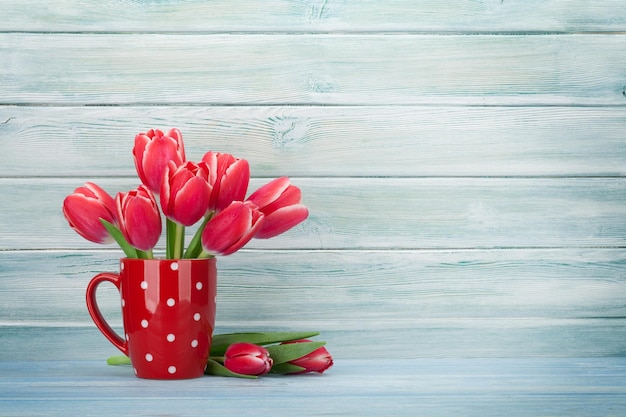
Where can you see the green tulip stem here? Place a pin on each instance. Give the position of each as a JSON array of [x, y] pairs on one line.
[[179, 241], [116, 233], [204, 255], [195, 246], [175, 236], [145, 254]]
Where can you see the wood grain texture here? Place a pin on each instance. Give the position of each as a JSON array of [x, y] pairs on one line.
[[465, 167], [319, 141], [406, 174], [481, 388], [472, 303], [160, 69], [399, 213], [314, 15]]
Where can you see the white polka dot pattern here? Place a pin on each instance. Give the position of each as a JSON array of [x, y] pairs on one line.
[[168, 319]]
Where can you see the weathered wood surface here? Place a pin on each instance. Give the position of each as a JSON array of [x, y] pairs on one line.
[[482, 388], [315, 15], [415, 303], [158, 69], [383, 213], [464, 163], [324, 141]]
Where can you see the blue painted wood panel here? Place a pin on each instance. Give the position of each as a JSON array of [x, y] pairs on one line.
[[378, 213], [316, 15], [453, 303], [346, 69], [464, 163], [481, 388], [548, 387], [325, 141]]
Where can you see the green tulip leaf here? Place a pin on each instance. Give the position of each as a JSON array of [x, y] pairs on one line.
[[195, 246], [117, 234], [217, 369], [286, 368], [221, 342], [118, 360], [292, 351]]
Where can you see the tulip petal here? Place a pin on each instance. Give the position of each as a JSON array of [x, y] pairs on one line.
[[140, 224], [226, 227], [83, 215], [139, 218], [156, 157], [282, 220], [191, 201], [152, 153], [291, 196], [229, 178], [246, 237], [247, 359], [234, 184], [269, 192], [84, 208]]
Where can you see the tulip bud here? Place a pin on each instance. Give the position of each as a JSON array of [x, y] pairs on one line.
[[84, 208], [229, 178], [153, 151], [231, 228], [282, 205], [185, 192], [247, 359], [139, 217], [317, 361]]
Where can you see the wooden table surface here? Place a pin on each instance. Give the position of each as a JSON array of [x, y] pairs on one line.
[[383, 387]]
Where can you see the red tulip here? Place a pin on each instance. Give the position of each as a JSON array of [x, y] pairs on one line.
[[153, 151], [229, 178], [247, 359], [317, 361], [84, 208], [282, 205], [139, 217], [185, 192], [231, 228]]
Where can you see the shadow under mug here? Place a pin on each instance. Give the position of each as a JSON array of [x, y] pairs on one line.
[[168, 314]]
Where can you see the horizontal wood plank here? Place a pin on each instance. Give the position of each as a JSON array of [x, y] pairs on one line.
[[421, 303], [314, 15], [308, 69], [325, 141], [389, 213], [477, 387], [443, 338]]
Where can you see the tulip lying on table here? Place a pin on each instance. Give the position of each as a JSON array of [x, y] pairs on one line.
[[250, 355]]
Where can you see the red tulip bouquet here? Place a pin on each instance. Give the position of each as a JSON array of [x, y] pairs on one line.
[[212, 194], [211, 191]]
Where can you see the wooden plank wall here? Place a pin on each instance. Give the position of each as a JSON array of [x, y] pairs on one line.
[[464, 163]]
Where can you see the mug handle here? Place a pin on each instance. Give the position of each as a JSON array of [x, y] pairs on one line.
[[96, 314]]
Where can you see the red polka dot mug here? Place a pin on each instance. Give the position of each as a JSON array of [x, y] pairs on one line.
[[168, 313]]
